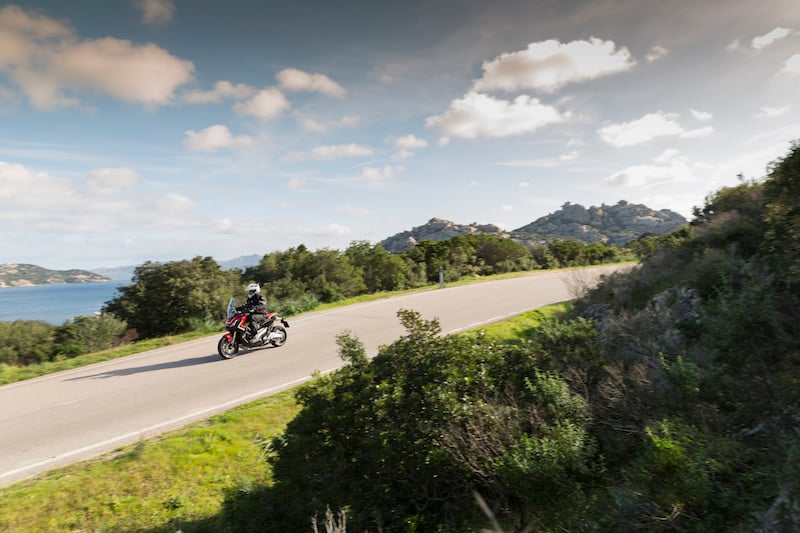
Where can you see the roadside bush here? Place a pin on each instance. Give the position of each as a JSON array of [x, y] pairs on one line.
[[26, 342]]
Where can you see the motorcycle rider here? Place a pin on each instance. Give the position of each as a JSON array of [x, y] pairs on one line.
[[256, 307]]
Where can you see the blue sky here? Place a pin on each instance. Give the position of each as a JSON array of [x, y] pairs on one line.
[[135, 130]]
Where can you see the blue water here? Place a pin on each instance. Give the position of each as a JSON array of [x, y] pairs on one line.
[[55, 303]]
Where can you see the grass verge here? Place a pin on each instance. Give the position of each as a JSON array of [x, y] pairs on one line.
[[165, 483], [177, 481]]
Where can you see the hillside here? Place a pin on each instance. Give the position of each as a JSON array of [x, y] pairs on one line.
[[616, 224], [665, 399], [20, 275]]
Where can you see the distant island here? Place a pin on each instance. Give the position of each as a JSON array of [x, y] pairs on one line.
[[21, 275]]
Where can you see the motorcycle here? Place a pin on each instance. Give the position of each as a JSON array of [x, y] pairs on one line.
[[272, 332]]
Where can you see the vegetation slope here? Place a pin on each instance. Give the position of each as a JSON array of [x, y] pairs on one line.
[[666, 400]]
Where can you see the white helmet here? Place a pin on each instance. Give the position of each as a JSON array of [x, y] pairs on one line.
[[253, 288]]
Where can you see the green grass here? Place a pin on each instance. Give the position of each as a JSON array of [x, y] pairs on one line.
[[164, 483], [520, 327], [177, 481]]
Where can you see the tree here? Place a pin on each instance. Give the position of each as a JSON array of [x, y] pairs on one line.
[[175, 296], [392, 440], [380, 270], [25, 342], [567, 252], [782, 194], [92, 333]]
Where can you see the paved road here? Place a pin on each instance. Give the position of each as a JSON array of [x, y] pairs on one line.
[[77, 414]]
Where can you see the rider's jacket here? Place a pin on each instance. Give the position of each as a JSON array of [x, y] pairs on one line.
[[255, 304]]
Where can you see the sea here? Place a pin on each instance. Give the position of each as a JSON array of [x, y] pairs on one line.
[[56, 304]]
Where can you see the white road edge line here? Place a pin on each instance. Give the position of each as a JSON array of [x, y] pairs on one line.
[[150, 431]]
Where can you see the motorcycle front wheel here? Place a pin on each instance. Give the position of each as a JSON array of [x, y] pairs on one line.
[[226, 347], [277, 336]]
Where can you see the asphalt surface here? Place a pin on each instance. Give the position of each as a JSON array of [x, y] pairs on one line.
[[78, 414]]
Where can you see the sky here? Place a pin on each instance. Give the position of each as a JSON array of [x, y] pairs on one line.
[[161, 130]]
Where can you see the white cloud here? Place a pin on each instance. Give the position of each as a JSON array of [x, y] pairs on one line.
[[672, 171], [309, 123], [641, 130], [110, 180], [143, 73], [667, 155], [222, 90], [36, 201], [292, 79], [702, 116], [155, 12], [478, 115], [647, 128], [295, 183], [771, 112], [656, 53], [549, 65], [22, 188], [410, 142], [330, 152], [355, 211], [213, 138], [767, 39], [52, 65], [380, 175], [267, 104], [792, 65], [698, 132], [550, 162], [406, 144], [734, 45], [334, 229]]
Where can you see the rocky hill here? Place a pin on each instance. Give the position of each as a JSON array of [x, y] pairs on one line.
[[616, 224], [20, 275], [436, 229]]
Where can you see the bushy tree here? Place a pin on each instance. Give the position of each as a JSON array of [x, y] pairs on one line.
[[175, 296], [86, 334], [25, 342], [380, 270], [405, 441]]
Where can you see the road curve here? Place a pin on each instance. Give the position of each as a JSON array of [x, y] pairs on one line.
[[77, 414]]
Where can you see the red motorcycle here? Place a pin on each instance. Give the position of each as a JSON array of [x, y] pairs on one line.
[[272, 332]]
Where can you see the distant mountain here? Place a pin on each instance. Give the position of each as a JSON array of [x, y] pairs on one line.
[[125, 273], [121, 273], [20, 275], [241, 262], [617, 224]]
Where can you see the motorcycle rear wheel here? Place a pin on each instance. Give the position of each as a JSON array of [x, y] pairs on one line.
[[227, 348], [279, 333]]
